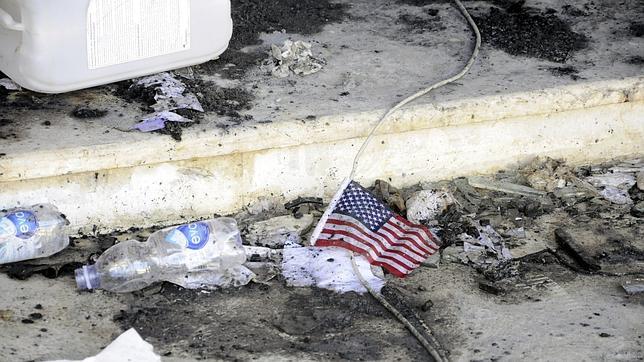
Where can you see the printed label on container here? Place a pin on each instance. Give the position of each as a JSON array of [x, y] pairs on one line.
[[121, 31], [21, 224], [192, 236], [16, 229]]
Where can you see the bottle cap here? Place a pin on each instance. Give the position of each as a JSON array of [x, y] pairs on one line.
[[87, 278]]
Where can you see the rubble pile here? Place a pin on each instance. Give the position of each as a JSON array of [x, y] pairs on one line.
[[589, 217], [508, 230]]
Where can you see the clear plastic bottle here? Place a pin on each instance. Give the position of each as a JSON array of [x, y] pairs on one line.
[[169, 254], [31, 232]]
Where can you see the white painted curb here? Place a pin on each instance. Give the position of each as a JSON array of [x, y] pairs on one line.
[[160, 181]]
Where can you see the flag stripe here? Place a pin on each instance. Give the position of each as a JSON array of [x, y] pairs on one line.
[[377, 249], [429, 234], [393, 270], [369, 254], [418, 241], [376, 245], [396, 235], [406, 229], [392, 263], [385, 241], [358, 221]]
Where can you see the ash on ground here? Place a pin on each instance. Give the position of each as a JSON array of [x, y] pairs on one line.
[[544, 236]]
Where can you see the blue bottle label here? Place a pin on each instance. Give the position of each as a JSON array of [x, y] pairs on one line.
[[25, 223], [192, 236]]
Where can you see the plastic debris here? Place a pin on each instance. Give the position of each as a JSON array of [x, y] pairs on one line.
[[213, 279], [9, 84], [186, 73], [507, 187], [633, 166], [489, 238], [171, 93], [261, 253], [129, 346], [426, 205], [616, 195], [205, 254], [518, 233], [32, 232], [486, 250], [274, 232], [621, 180], [157, 121], [292, 57], [635, 286], [571, 193], [640, 180], [329, 268], [265, 262], [614, 186]]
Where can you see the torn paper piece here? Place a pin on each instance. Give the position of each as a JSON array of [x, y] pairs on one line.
[[426, 205], [129, 346], [489, 238], [171, 93], [614, 186], [621, 180], [261, 253], [616, 195], [9, 84], [329, 268], [486, 249], [295, 57], [157, 121]]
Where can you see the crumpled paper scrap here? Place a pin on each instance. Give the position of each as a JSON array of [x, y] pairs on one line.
[[171, 93], [157, 121], [479, 250], [293, 57], [129, 346], [328, 268], [9, 84]]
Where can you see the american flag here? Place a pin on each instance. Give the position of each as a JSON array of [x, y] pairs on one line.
[[357, 221]]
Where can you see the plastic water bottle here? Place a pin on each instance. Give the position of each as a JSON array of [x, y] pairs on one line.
[[105, 41], [32, 232], [212, 246]]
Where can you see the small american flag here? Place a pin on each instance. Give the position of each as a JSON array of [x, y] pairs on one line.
[[357, 221]]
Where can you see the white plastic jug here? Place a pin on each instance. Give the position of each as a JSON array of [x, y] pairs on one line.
[[55, 46]]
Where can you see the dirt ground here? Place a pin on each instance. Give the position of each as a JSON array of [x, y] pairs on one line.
[[543, 304], [540, 306], [375, 52]]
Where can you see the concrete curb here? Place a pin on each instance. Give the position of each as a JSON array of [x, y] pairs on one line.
[[289, 133], [160, 181]]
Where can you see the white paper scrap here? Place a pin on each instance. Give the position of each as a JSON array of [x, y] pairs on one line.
[[128, 347], [328, 268]]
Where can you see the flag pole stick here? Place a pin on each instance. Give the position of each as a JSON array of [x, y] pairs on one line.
[[436, 355], [423, 341], [422, 92], [329, 210]]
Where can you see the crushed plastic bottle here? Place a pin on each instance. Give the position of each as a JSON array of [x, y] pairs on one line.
[[201, 253], [31, 232]]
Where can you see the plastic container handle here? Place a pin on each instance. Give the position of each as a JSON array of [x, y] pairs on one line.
[[8, 22]]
